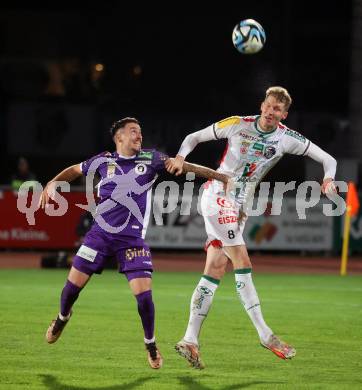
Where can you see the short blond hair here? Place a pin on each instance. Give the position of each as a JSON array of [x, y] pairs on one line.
[[281, 94]]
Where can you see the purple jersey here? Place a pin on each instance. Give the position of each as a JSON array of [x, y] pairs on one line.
[[125, 191], [122, 213]]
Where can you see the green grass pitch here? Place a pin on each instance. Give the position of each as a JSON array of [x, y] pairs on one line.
[[102, 347]]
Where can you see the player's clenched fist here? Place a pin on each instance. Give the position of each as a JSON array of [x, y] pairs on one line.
[[175, 165]]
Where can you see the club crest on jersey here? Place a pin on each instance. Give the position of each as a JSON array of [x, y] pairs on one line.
[[140, 169], [244, 147], [111, 167], [269, 152]]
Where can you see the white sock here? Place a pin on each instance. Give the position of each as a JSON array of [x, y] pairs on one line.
[[249, 298], [64, 318], [199, 307], [149, 341]]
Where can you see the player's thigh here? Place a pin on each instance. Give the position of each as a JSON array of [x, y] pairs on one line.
[[226, 229], [221, 219], [216, 262], [238, 255]]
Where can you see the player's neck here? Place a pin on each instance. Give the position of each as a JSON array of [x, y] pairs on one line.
[[263, 127], [126, 152]]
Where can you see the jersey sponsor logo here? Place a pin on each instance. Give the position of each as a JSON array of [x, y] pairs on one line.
[[258, 153], [227, 212], [269, 151], [140, 169], [258, 146], [247, 136], [132, 253], [296, 135], [147, 162], [87, 253], [249, 169], [227, 219], [231, 121], [146, 155], [224, 203]]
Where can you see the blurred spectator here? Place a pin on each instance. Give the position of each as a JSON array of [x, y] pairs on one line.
[[22, 174], [84, 224]]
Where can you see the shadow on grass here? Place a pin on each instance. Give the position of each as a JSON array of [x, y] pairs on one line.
[[53, 384], [191, 384]]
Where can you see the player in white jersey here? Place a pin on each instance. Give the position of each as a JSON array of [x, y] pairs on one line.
[[255, 145]]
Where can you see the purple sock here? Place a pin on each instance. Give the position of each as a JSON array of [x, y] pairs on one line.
[[69, 295], [146, 310]]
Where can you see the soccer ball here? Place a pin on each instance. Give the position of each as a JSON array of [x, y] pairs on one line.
[[248, 36]]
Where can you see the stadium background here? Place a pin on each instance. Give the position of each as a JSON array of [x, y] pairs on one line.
[[67, 72]]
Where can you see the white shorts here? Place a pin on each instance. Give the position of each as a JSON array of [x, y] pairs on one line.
[[221, 218]]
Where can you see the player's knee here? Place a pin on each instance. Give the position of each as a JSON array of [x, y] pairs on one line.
[[246, 261], [216, 272]]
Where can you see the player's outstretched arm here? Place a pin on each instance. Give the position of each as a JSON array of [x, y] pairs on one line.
[[329, 165], [205, 172], [68, 174]]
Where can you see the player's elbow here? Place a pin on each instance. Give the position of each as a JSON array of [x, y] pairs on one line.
[[191, 139], [332, 162]]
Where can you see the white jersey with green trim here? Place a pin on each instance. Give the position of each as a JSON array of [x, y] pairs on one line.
[[250, 152]]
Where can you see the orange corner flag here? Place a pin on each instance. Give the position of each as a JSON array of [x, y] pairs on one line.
[[352, 203], [352, 200]]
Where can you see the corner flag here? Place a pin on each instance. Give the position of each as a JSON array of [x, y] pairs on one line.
[[352, 203]]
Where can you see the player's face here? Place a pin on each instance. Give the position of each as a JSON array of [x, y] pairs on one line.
[[131, 137], [272, 112]]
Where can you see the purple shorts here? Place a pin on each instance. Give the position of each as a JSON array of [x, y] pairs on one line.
[[132, 254]]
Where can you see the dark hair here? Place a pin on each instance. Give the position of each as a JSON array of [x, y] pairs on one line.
[[121, 123]]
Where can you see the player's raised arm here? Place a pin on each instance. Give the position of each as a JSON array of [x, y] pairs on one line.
[[188, 145], [222, 129], [68, 174]]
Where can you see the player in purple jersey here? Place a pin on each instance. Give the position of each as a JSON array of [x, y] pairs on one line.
[[120, 224]]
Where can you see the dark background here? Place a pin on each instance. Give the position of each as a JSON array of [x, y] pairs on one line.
[[176, 72]]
